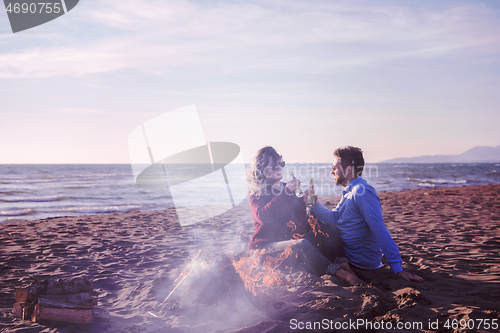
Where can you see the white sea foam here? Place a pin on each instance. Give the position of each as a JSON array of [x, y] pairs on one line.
[[76, 187], [46, 198], [102, 209], [422, 182], [27, 181]]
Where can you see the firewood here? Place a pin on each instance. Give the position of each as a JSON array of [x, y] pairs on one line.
[[83, 298], [74, 316], [34, 289], [17, 309], [56, 300], [23, 310], [64, 305], [59, 287], [29, 310], [21, 295]]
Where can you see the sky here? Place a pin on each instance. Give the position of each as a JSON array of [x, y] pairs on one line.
[[396, 78]]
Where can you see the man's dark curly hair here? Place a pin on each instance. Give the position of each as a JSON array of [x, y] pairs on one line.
[[351, 156]]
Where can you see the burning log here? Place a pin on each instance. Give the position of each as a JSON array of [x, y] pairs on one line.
[[263, 273], [256, 273]]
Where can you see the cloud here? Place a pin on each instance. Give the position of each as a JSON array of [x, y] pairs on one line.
[[82, 111], [159, 37]]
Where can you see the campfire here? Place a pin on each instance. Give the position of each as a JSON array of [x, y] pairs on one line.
[[262, 273]]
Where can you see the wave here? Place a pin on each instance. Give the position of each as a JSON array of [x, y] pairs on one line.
[[434, 182], [90, 176], [17, 212], [100, 210], [46, 198], [426, 185], [10, 192], [76, 187], [438, 181], [27, 181]]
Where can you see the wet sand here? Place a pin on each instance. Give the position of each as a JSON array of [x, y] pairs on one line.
[[448, 236]]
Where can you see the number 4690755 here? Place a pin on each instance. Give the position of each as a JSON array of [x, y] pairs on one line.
[[472, 324], [40, 7]]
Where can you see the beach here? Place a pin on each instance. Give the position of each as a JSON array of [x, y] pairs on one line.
[[152, 275]]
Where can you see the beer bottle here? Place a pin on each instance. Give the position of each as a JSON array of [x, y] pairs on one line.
[[310, 197], [298, 192]]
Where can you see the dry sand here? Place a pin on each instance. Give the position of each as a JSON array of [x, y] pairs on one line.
[[448, 236]]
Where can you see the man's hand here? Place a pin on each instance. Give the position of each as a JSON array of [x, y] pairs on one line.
[[409, 277], [306, 194]]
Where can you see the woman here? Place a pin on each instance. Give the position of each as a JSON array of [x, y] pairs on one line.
[[280, 220]]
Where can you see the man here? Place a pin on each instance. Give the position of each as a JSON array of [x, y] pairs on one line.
[[358, 216]]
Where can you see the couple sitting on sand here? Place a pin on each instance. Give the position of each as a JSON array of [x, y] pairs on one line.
[[353, 233]]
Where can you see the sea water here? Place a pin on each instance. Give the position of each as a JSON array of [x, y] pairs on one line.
[[31, 191]]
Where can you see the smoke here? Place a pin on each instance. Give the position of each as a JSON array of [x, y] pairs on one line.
[[206, 294]]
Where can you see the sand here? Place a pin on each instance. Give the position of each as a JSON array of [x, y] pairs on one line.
[[448, 236]]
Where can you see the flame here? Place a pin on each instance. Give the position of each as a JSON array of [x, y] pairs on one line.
[[261, 273], [293, 226], [314, 223]]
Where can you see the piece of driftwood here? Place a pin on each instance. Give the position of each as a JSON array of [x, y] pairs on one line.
[[56, 300], [43, 313], [53, 287], [23, 310], [21, 295], [18, 309], [54, 303], [80, 298]]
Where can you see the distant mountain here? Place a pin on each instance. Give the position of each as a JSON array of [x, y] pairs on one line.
[[481, 154]]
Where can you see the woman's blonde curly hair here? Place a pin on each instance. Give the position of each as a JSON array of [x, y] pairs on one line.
[[257, 181]]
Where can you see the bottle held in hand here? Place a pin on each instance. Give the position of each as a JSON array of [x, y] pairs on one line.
[[310, 197], [298, 192]]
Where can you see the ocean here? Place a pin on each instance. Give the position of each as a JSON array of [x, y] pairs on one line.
[[31, 191]]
